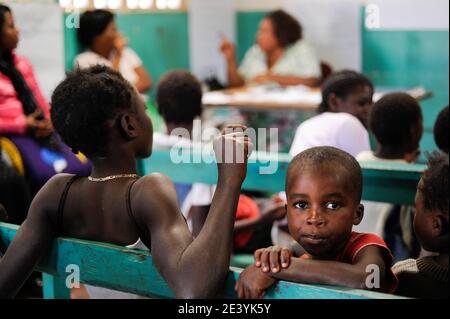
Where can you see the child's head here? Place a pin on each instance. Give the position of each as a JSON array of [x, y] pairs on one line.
[[96, 110], [431, 219], [179, 98], [396, 122], [349, 92], [324, 189], [441, 130]]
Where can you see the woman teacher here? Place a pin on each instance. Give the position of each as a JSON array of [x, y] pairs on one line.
[[280, 55]]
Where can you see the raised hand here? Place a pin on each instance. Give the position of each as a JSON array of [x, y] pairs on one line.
[[228, 49], [232, 149]]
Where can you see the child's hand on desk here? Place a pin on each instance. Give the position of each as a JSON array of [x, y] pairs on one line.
[[269, 259], [232, 149], [252, 283]]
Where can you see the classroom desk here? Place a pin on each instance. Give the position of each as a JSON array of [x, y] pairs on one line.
[[390, 183], [292, 98]]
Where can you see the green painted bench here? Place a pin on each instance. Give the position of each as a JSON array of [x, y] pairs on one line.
[[133, 271], [390, 183]]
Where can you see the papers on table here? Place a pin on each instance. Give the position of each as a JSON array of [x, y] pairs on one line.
[[296, 95], [292, 95]]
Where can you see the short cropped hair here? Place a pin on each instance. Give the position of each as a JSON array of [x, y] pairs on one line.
[[342, 84], [316, 157], [434, 186], [393, 120], [287, 29], [92, 24], [179, 97], [441, 130], [85, 105]]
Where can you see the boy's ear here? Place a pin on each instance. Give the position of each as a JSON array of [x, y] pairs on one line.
[[333, 102], [128, 127], [440, 225], [359, 215]]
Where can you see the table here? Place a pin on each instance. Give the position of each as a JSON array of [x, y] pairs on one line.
[[292, 98]]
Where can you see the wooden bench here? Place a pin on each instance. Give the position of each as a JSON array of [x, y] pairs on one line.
[[390, 183], [133, 271]]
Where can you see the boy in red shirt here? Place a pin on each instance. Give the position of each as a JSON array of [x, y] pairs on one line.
[[324, 189]]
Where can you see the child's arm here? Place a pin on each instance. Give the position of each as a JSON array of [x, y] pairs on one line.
[[253, 281], [193, 268], [32, 241], [332, 272], [276, 212]]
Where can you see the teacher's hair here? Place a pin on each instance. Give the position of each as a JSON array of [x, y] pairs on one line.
[[286, 28]]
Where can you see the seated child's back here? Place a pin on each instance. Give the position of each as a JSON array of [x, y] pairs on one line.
[[396, 121], [427, 277]]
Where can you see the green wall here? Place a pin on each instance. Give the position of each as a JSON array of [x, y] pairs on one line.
[[407, 59], [247, 26]]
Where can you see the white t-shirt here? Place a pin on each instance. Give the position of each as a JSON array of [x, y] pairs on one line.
[[128, 63], [340, 130], [298, 60]]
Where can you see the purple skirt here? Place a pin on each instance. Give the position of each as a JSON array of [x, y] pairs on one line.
[[42, 163]]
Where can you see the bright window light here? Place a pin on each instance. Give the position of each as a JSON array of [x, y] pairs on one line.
[[100, 4], [174, 4], [114, 4], [79, 4], [161, 4], [132, 4], [145, 4], [65, 3]]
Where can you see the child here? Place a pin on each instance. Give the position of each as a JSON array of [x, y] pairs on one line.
[[179, 101], [25, 115], [441, 130], [103, 44], [346, 101], [97, 112], [427, 277], [396, 121], [324, 187]]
